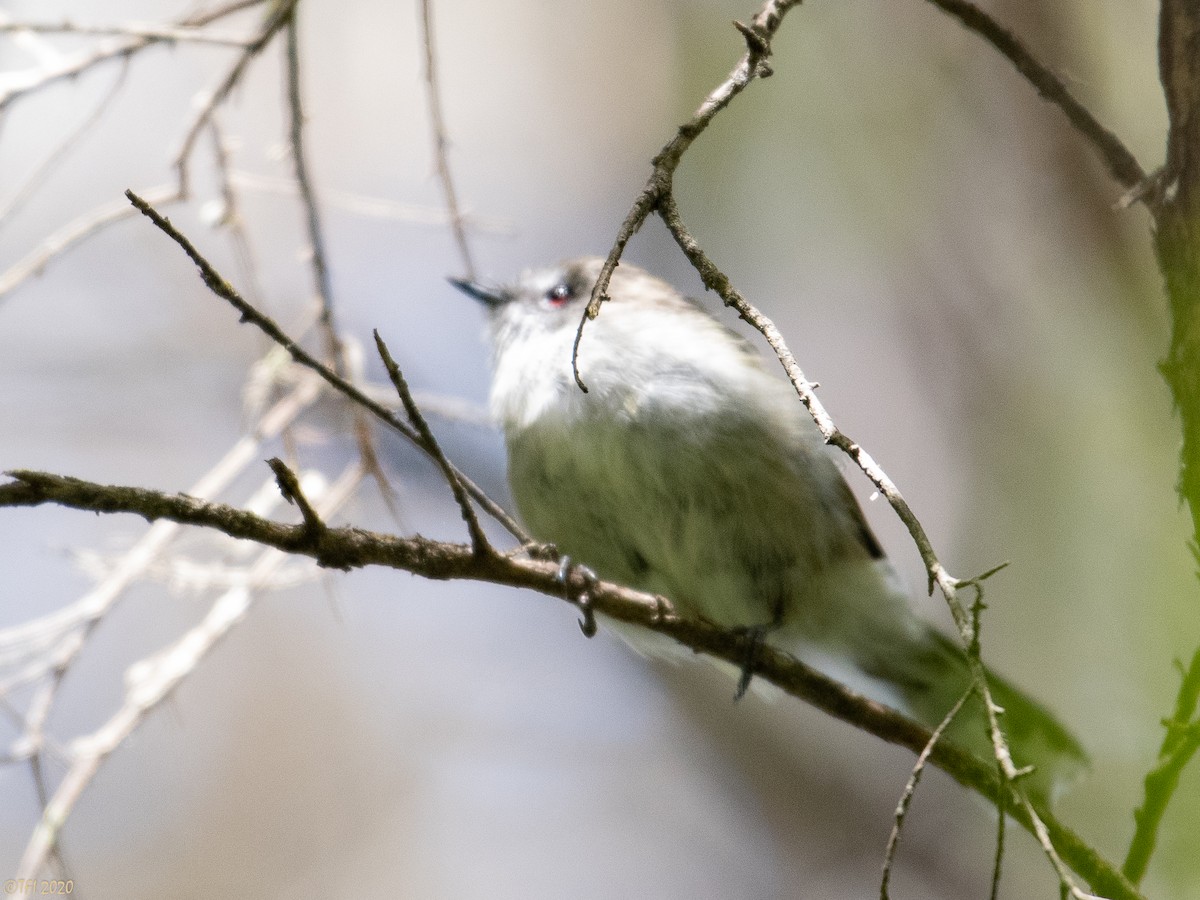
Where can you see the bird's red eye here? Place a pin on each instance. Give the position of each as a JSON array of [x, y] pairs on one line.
[[559, 295]]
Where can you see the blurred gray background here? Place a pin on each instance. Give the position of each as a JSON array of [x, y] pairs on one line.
[[942, 253]]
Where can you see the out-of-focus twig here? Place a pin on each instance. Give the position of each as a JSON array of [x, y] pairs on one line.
[[1121, 163], [14, 87], [163, 33], [151, 681], [68, 143], [312, 214], [75, 232], [374, 207], [441, 143], [68, 630], [278, 16]]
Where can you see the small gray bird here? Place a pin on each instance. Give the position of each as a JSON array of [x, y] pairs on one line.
[[689, 470]]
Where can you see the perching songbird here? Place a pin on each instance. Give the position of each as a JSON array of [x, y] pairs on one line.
[[687, 469]]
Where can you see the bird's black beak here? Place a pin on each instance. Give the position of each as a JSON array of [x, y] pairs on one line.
[[492, 297]]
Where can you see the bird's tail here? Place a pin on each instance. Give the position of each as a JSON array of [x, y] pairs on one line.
[[934, 675]]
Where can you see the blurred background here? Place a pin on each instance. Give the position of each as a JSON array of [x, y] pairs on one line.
[[942, 253]]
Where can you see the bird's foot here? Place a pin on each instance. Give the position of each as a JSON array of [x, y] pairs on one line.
[[756, 637]]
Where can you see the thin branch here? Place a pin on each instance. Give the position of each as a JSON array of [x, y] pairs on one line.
[[479, 541], [223, 289], [1121, 163], [910, 790], [312, 217], [374, 207], [279, 15], [715, 280], [230, 218], [149, 33], [35, 178], [754, 64], [441, 143], [319, 259], [998, 856], [74, 233], [349, 548], [108, 51]]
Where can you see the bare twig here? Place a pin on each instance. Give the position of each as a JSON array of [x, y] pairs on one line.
[[715, 280], [910, 790], [155, 33], [68, 143], [319, 259], [374, 207], [441, 144], [279, 15], [479, 541], [1121, 163], [998, 856], [312, 216], [289, 487], [230, 217], [106, 52], [347, 548], [223, 289], [74, 233]]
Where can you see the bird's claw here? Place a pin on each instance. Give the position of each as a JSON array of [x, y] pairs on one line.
[[583, 599]]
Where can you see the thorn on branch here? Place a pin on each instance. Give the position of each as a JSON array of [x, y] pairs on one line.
[[759, 47]]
